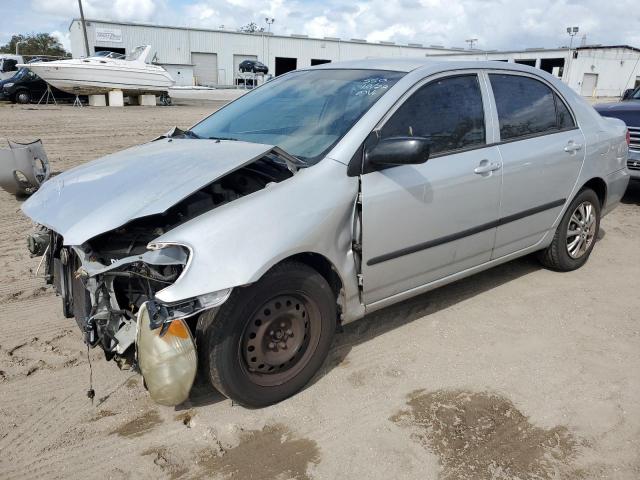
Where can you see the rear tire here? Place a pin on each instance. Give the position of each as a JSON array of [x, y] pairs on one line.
[[23, 97], [267, 340], [576, 234]]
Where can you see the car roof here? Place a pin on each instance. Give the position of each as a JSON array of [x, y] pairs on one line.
[[410, 64]]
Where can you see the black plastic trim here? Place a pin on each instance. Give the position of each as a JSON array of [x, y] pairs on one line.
[[464, 233]]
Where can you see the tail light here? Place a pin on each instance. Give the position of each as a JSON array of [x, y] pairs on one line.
[[628, 137]]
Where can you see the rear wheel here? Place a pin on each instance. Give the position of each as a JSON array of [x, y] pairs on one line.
[[576, 234], [269, 339], [23, 96]]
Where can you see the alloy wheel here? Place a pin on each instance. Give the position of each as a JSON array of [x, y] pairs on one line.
[[581, 230]]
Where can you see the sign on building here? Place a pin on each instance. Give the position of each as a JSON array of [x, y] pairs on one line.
[[108, 35]]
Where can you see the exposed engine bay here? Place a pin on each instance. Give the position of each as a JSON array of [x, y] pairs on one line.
[[107, 280]]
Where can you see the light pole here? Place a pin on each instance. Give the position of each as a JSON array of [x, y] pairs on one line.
[[572, 31], [269, 21], [471, 41], [18, 43]]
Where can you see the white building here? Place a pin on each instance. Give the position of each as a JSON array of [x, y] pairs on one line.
[[592, 70], [211, 57]]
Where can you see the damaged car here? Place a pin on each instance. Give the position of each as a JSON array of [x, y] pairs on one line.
[[238, 247]]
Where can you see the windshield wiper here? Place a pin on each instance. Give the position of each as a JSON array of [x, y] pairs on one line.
[[223, 138], [293, 163], [178, 132], [189, 133]]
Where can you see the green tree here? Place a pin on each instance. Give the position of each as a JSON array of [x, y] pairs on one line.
[[35, 44], [251, 28]]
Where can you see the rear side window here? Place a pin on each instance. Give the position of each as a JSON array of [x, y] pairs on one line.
[[564, 116], [527, 107], [448, 112]]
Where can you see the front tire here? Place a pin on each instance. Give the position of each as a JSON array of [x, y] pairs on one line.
[[23, 97], [576, 234], [268, 339]]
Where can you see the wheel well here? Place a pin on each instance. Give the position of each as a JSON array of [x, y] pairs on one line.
[[600, 187], [325, 268]]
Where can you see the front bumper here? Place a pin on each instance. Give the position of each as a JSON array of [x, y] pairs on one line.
[[633, 163]]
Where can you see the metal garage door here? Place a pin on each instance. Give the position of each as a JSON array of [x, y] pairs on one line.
[[205, 68], [238, 59]]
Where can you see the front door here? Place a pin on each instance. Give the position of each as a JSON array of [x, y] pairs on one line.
[[424, 222]]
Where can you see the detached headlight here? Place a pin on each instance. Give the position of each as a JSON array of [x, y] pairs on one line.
[[9, 85]]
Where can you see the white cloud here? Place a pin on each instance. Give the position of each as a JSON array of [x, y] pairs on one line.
[[63, 38], [497, 24], [320, 27], [137, 10], [390, 33]]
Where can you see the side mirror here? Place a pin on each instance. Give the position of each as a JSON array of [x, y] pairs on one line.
[[627, 93], [396, 151]]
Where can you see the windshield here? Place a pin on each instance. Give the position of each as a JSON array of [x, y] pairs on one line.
[[135, 55], [304, 113], [20, 74]]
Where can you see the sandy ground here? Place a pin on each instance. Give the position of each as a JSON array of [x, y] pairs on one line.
[[518, 372]]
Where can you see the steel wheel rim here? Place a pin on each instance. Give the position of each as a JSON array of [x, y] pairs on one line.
[[279, 339], [581, 230]]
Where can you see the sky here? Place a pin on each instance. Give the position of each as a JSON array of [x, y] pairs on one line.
[[496, 24]]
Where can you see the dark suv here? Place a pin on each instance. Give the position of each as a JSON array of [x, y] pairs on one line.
[[25, 87], [253, 66], [627, 110]]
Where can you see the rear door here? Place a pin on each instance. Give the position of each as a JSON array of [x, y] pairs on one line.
[[542, 152], [421, 223]]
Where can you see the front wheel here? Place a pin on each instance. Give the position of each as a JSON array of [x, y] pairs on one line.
[[23, 97], [576, 234], [268, 340]]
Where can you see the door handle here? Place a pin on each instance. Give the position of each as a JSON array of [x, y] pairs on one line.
[[486, 167], [573, 147]]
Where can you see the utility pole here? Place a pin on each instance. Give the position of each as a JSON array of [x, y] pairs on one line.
[[84, 29], [471, 42]]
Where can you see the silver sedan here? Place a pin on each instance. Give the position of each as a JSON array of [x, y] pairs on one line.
[[240, 245]]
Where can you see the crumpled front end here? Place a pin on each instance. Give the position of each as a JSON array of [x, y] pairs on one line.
[[109, 285], [113, 282]]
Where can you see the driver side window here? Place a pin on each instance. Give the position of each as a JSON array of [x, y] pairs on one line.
[[447, 111]]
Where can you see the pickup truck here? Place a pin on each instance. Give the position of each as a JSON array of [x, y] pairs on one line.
[[627, 110]]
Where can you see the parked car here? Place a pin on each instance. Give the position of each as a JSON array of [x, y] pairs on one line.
[[253, 66], [627, 110], [321, 196], [25, 87]]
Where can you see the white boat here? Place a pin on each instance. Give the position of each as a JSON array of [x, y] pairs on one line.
[[106, 71]]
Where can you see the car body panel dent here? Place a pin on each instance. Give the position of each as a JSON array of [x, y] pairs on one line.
[[148, 179], [235, 244]]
